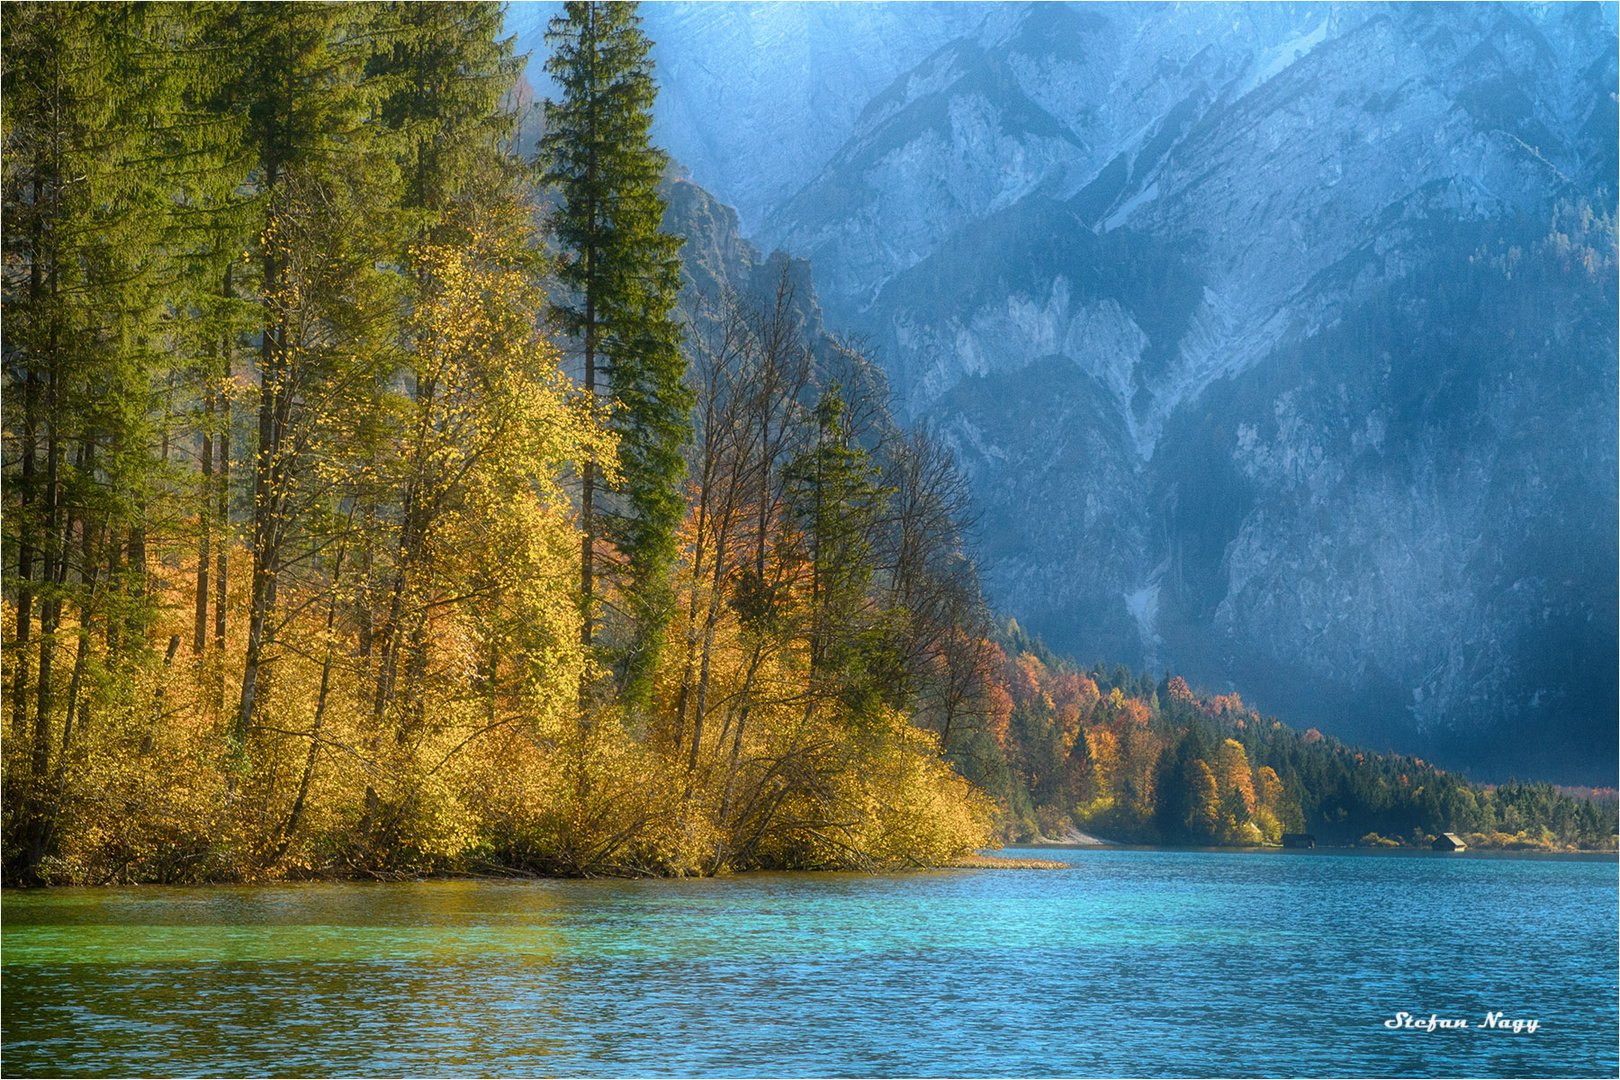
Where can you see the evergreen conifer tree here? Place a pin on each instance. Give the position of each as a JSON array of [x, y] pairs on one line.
[[835, 492], [621, 275], [325, 180], [85, 210], [211, 228]]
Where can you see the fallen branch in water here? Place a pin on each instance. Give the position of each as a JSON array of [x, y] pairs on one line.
[[992, 862]]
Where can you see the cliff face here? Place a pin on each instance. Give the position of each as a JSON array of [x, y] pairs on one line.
[[1279, 342]]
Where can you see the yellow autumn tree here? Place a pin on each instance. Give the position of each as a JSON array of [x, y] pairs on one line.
[[1236, 782], [1203, 802], [438, 698], [1272, 798]]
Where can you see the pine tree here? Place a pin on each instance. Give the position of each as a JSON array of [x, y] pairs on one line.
[[834, 489], [211, 229], [441, 71], [325, 180], [621, 275], [85, 208]]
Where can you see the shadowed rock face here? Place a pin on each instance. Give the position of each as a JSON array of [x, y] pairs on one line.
[[1275, 339]]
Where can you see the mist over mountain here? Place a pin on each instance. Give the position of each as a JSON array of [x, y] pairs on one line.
[[1278, 341]]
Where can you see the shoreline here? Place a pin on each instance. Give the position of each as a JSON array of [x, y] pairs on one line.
[[1057, 845], [1075, 838], [974, 861]]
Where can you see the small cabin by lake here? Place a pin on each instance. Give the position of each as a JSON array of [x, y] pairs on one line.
[[1449, 841], [1298, 840]]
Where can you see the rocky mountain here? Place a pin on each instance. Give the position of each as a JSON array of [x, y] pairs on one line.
[[1278, 341], [754, 98]]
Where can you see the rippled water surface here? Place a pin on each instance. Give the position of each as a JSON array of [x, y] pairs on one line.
[[1129, 963]]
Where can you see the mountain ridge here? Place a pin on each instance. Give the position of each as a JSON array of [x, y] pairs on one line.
[[1277, 341]]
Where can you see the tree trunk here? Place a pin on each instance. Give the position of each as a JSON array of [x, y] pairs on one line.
[[199, 635], [89, 575], [587, 496], [413, 533], [711, 620], [115, 574], [222, 514], [25, 555], [683, 699], [587, 518], [135, 574], [265, 494], [160, 694], [289, 828], [25, 491], [51, 606]]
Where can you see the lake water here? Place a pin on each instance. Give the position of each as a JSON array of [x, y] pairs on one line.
[[1140, 963]]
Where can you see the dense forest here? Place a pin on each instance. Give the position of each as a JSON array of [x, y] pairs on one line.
[[375, 505], [1140, 760]]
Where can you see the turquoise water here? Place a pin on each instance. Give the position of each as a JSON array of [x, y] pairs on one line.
[[1150, 963]]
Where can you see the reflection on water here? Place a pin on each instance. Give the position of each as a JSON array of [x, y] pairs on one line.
[[1132, 962]]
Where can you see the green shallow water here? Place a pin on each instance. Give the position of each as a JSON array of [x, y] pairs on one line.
[[1129, 963]]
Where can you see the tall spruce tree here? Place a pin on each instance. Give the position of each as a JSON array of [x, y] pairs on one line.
[[621, 274], [442, 70], [836, 498], [84, 203], [211, 228], [325, 181]]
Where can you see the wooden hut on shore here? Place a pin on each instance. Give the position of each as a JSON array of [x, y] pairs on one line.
[[1449, 841]]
